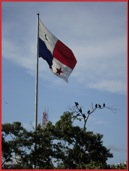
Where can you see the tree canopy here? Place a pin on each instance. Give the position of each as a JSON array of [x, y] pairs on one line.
[[61, 145]]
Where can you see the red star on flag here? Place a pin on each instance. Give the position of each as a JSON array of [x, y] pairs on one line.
[[59, 71]]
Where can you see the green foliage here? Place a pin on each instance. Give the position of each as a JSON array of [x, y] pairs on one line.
[[117, 166], [59, 146]]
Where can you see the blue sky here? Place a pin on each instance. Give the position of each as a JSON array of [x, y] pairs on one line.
[[96, 33]]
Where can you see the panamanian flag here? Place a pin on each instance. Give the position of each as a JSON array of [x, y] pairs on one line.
[[59, 57]]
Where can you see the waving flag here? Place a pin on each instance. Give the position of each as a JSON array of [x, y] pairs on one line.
[[59, 57]]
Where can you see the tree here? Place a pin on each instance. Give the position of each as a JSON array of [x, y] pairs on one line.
[[80, 148], [18, 147], [62, 146]]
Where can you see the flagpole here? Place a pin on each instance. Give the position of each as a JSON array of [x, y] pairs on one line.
[[36, 80]]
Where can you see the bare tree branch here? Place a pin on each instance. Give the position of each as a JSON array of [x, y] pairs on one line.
[[79, 115]]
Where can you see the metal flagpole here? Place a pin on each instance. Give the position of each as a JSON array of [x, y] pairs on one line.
[[36, 80]]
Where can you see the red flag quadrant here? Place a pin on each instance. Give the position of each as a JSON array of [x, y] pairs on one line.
[[59, 57]]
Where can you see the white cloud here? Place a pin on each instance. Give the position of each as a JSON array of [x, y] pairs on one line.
[[102, 65], [116, 86]]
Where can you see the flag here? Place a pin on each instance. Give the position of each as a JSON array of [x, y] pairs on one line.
[[59, 57]]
